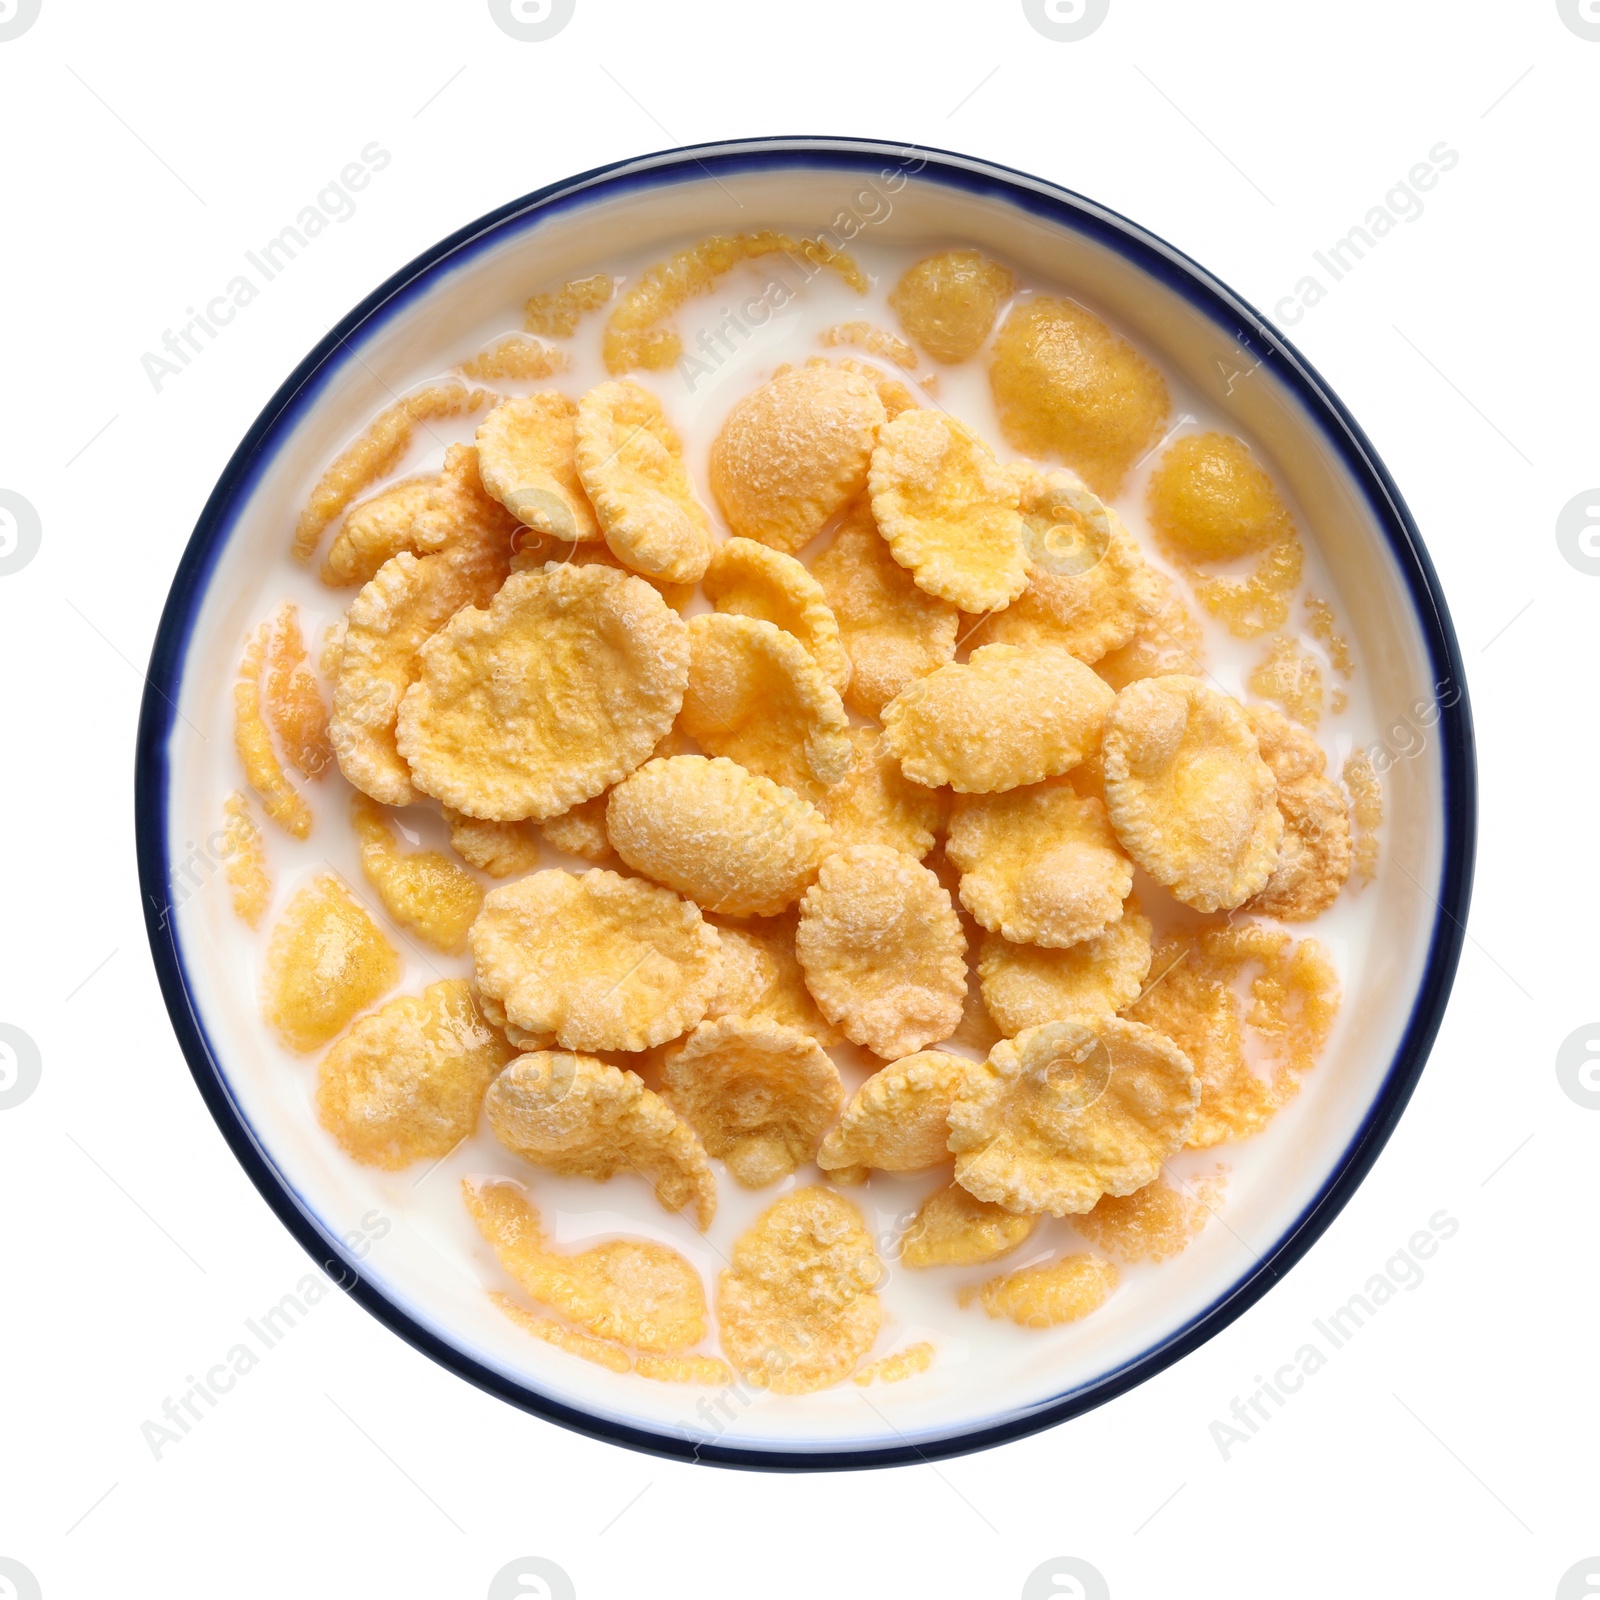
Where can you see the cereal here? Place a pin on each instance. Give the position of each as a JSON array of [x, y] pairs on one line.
[[495, 1015], [948, 302], [244, 861], [706, 1370], [326, 960], [1026, 985], [600, 1351], [897, 1121], [729, 840], [1188, 793], [759, 1096], [516, 356], [538, 551], [1192, 1001], [761, 981], [634, 337], [1166, 641], [1047, 1296], [561, 687], [406, 1082], [556, 313], [462, 515], [875, 803], [875, 341], [1320, 615], [881, 949], [1314, 855], [580, 831], [279, 798], [601, 961], [949, 511], [1089, 589], [631, 1291], [956, 1229], [1003, 718], [581, 1118], [756, 695], [901, 1365], [892, 632], [894, 394], [795, 453], [751, 580], [1365, 788], [526, 453], [375, 530], [1152, 1223], [395, 614], [1067, 386], [1038, 864], [1287, 675], [376, 453], [499, 848], [796, 1306], [1069, 1111], [630, 463], [424, 891], [1210, 503]]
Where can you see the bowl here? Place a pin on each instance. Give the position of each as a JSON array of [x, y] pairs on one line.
[[1398, 954]]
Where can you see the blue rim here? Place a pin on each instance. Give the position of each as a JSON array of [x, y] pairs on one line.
[[1149, 254]]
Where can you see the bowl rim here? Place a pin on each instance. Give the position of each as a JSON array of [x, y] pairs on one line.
[[1147, 252]]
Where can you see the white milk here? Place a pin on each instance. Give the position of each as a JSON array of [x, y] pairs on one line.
[[431, 1259]]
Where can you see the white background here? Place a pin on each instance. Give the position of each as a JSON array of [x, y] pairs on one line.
[[1443, 1449]]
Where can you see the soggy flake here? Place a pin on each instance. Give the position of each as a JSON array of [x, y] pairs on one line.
[[527, 455], [502, 849], [1152, 1223], [1365, 788], [705, 1370], [251, 739], [600, 1351], [875, 803], [516, 356], [751, 580], [875, 341], [948, 302], [423, 891], [956, 1229], [898, 1120], [461, 515], [898, 1367], [555, 314], [1314, 856], [1291, 678], [376, 530], [244, 858], [1047, 1296]]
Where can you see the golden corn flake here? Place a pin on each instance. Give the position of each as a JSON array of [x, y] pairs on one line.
[[894, 394], [1067, 386], [600, 1351], [501, 849], [1069, 1111], [1292, 678], [1026, 985], [1003, 718], [1038, 864], [892, 632], [955, 1229], [516, 356], [1168, 640], [1047, 1296], [796, 1306], [948, 302], [630, 463], [707, 1370], [1152, 1223], [244, 861], [424, 891], [603, 962], [751, 580], [495, 1015], [376, 530], [326, 960], [882, 950], [875, 803], [794, 454], [461, 514], [756, 695], [1192, 1000], [634, 335], [759, 1096], [251, 739], [1323, 626], [875, 341], [632, 1291], [729, 840], [406, 1082], [1211, 503], [1365, 788], [949, 511], [901, 1365], [395, 614], [526, 453], [1314, 856], [375, 454], [1188, 793], [561, 687], [1089, 589], [898, 1120], [761, 981], [555, 314], [580, 831], [580, 1118]]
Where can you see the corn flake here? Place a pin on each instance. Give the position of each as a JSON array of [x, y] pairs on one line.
[[948, 302], [896, 1368], [1069, 1111], [461, 514], [706, 1370], [580, 831], [1047, 1296], [751, 580], [424, 891], [326, 960], [881, 949], [1314, 856], [898, 1120], [875, 803], [949, 511], [244, 861], [955, 1229], [527, 455], [376, 530], [1292, 678], [516, 356], [761, 981], [875, 341], [600, 1351], [501, 849], [251, 739], [556, 313], [794, 454], [581, 1118], [1152, 1223], [1168, 640], [1365, 789], [796, 1306]]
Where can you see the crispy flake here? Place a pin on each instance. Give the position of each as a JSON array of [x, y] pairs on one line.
[[1152, 1223], [761, 981], [898, 1120], [751, 580], [875, 803], [1168, 640], [376, 530], [424, 891], [527, 455], [501, 849]]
